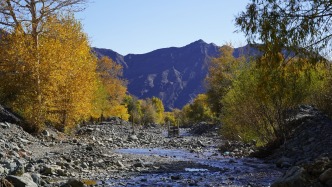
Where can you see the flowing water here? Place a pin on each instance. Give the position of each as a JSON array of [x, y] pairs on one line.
[[177, 167]]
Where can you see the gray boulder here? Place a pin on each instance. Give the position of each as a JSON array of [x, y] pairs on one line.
[[132, 138], [23, 181], [293, 177]]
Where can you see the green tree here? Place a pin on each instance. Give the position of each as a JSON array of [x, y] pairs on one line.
[[199, 110], [149, 113], [222, 72], [300, 26], [259, 104], [134, 109]]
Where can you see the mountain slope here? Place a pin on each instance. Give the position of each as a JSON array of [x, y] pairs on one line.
[[175, 75]]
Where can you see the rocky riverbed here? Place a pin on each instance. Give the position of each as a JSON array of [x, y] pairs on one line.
[[113, 153]]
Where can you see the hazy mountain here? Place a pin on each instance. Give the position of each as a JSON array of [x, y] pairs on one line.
[[175, 75]]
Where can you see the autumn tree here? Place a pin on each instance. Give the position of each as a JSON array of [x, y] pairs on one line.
[[67, 78], [112, 89], [302, 27], [159, 108], [134, 109], [260, 102], [68, 72], [26, 19], [199, 110], [222, 71]]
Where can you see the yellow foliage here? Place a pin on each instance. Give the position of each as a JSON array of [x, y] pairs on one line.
[[112, 90], [53, 82]]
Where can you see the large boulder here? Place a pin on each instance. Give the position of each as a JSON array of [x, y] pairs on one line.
[[293, 177], [7, 116], [23, 181], [326, 176]]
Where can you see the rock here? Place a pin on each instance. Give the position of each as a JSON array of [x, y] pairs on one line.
[[175, 177], [118, 163], [5, 183], [11, 166], [50, 170], [200, 143], [5, 115], [318, 166], [61, 172], [46, 133], [23, 181], [293, 177], [326, 176], [139, 164], [36, 178], [2, 155], [5, 125], [284, 162], [24, 140], [2, 170], [74, 183], [132, 138], [89, 148]]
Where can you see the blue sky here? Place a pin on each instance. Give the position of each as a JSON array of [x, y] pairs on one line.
[[140, 26]]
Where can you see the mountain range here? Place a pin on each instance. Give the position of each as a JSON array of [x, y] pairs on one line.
[[175, 75]]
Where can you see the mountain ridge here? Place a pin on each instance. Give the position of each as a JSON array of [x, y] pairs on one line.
[[174, 74]]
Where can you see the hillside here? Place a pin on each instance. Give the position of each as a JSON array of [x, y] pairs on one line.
[[175, 75]]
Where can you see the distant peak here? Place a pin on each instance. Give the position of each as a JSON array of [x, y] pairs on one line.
[[200, 41]]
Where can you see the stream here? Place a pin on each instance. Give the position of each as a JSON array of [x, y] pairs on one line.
[[178, 167]]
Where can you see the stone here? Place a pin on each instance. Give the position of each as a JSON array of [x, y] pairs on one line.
[[23, 181], [74, 183], [139, 164], [46, 133], [119, 163], [326, 176], [61, 172], [24, 140], [50, 170], [5, 183], [175, 177], [200, 143], [293, 177], [284, 162], [89, 148], [5, 125], [2, 170], [319, 166], [132, 138], [36, 178], [11, 166]]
